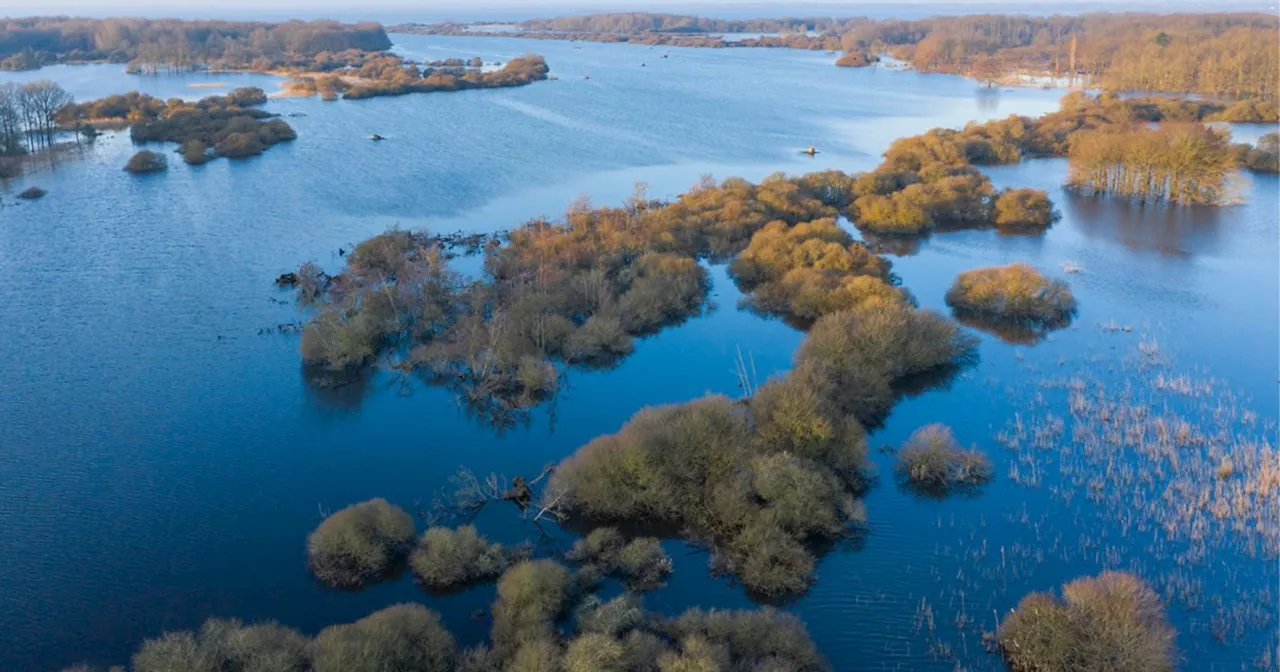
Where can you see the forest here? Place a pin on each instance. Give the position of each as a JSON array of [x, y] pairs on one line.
[[29, 117], [147, 44], [1211, 54]]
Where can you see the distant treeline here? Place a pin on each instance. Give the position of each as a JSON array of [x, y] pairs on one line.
[[27, 44], [823, 42], [1213, 54], [1216, 54]]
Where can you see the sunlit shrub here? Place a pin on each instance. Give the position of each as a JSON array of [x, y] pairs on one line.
[[1024, 209], [593, 652], [400, 637], [360, 543], [1016, 293], [448, 558], [1100, 624], [613, 618]]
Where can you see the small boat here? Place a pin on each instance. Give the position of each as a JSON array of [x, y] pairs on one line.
[[586, 77], [812, 151], [376, 138]]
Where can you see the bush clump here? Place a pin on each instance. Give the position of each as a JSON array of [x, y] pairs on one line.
[[698, 465], [448, 558], [933, 461], [1110, 622], [749, 639], [400, 637], [195, 152], [145, 162], [32, 193], [808, 270], [360, 544], [641, 563], [531, 596], [854, 358], [226, 645], [1017, 294], [1024, 210]]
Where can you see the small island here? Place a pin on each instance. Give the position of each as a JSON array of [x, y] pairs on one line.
[[218, 126], [145, 162], [1016, 294]]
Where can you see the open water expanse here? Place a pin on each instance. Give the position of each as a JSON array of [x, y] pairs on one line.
[[161, 461]]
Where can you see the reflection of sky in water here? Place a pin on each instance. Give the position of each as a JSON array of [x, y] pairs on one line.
[[145, 419]]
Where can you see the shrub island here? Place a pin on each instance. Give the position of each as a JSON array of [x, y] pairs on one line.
[[933, 462], [1015, 294]]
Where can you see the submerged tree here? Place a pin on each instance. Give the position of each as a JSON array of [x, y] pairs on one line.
[[1183, 164]]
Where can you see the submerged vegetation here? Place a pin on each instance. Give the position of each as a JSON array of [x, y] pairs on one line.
[[1177, 163], [1016, 294], [1106, 623], [360, 544]]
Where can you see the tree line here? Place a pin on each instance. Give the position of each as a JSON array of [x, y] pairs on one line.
[[169, 43], [29, 116], [1236, 54]]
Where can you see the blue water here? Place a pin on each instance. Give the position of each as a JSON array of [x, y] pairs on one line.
[[162, 462]]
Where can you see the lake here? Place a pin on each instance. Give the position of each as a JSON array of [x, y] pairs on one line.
[[161, 461]]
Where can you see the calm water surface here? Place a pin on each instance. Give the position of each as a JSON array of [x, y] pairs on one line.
[[162, 462]]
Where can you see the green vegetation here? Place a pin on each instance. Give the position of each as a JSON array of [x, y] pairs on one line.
[[531, 596], [168, 44], [615, 635], [360, 544], [1015, 294], [641, 564], [574, 292], [933, 462], [147, 161], [226, 645], [757, 484], [1110, 622], [400, 637], [448, 558]]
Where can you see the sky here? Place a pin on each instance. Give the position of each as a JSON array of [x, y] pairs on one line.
[[427, 10]]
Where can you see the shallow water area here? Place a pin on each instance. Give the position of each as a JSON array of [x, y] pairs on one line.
[[161, 461]]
